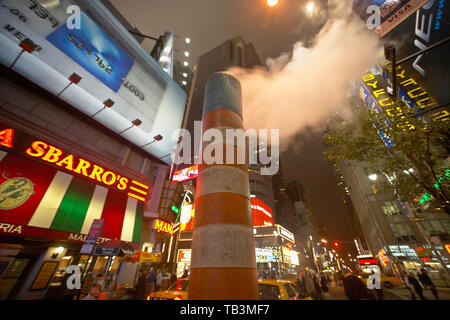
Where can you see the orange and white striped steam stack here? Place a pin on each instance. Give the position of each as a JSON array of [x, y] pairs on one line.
[[223, 263]]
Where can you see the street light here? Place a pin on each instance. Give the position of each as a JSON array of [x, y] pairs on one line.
[[272, 3], [310, 7], [187, 40], [186, 54], [186, 63], [373, 177]]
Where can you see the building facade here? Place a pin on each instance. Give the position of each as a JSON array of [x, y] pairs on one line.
[[74, 145]]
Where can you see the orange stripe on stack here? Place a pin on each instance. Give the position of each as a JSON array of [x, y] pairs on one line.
[[223, 264]]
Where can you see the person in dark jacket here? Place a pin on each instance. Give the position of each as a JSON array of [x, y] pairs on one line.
[[414, 286], [141, 287], [427, 283], [151, 280], [318, 290], [354, 288], [324, 286]]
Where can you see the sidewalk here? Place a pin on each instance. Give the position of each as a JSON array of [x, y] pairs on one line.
[[403, 293]]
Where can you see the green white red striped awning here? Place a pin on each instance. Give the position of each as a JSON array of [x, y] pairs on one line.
[[36, 195]]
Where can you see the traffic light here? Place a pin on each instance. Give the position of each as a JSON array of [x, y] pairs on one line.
[[337, 244]]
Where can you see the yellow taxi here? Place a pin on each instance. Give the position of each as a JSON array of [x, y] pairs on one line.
[[386, 280], [268, 290]]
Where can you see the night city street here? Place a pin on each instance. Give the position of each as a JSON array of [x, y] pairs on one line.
[[226, 154]]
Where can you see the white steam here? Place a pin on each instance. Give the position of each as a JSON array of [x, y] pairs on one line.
[[303, 89]]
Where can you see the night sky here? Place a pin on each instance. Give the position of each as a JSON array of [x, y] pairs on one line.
[[272, 31]]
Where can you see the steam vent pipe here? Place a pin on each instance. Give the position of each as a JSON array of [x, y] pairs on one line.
[[223, 262]]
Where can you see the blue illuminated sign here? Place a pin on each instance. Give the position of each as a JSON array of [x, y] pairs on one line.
[[92, 49]]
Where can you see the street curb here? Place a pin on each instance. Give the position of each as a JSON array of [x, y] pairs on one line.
[[395, 294]]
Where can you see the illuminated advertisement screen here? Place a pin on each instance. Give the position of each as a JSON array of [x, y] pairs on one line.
[[111, 65], [92, 49], [430, 73], [261, 212]]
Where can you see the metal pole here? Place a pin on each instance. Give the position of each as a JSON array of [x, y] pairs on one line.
[[223, 264]]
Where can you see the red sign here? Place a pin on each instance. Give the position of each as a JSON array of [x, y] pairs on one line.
[[26, 145], [185, 174], [6, 137], [262, 213], [447, 246], [163, 226], [367, 261]]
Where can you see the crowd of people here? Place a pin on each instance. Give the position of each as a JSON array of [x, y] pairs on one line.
[[152, 280], [310, 284], [355, 289]]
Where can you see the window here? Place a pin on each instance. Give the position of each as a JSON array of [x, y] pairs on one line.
[[290, 291], [269, 292], [239, 56], [390, 208]]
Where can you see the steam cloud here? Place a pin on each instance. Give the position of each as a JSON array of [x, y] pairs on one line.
[[301, 90]]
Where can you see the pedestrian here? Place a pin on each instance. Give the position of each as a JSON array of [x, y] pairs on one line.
[[309, 285], [158, 280], [374, 284], [324, 286], [414, 286], [354, 288], [317, 289], [141, 286], [151, 280], [185, 274], [427, 283]]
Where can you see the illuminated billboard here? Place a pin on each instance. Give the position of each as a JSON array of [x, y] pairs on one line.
[[430, 72], [261, 212], [108, 62], [185, 174]]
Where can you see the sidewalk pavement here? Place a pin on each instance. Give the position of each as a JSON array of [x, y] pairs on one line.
[[404, 293]]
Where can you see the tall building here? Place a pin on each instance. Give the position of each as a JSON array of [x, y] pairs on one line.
[[77, 145], [232, 53]]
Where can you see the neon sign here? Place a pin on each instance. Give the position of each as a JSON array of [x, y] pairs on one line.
[[185, 174], [383, 258], [52, 154], [6, 137], [163, 226], [30, 146]]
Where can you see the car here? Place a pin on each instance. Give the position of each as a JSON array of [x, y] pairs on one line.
[[387, 281], [268, 290]]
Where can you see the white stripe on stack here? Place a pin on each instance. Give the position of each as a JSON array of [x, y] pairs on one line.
[[46, 211]]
